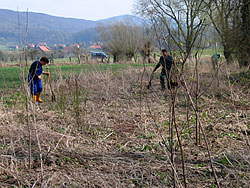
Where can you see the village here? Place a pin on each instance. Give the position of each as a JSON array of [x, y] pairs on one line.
[[44, 47], [73, 52]]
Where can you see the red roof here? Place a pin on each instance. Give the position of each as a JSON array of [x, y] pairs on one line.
[[96, 46], [44, 49], [76, 45], [32, 45]]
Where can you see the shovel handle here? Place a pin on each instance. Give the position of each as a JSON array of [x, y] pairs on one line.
[[53, 95], [47, 69]]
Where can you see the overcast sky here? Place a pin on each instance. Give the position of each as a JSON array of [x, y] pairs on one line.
[[84, 9]]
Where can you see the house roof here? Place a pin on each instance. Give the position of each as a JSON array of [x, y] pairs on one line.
[[31, 45], [42, 44], [44, 49], [76, 45], [96, 46]]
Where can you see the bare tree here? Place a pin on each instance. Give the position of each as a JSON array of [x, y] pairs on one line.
[[79, 52], [177, 22], [221, 14], [121, 38], [132, 34], [33, 53], [147, 40], [243, 39]]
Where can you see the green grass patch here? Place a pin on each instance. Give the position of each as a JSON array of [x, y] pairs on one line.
[[11, 100], [11, 77], [211, 51]]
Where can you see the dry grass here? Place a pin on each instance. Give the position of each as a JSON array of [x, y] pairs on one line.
[[104, 131]]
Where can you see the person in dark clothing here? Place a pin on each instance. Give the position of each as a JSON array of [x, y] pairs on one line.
[[165, 62], [35, 76]]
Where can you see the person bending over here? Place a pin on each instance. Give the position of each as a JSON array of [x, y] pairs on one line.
[[35, 76], [165, 62]]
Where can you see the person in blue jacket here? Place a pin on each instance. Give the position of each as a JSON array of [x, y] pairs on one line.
[[165, 62], [35, 76]]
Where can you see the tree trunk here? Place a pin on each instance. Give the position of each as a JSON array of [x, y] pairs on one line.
[[245, 37], [115, 59], [79, 59], [227, 53]]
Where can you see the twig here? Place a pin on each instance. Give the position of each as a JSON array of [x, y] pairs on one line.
[[38, 142], [228, 160], [204, 135]]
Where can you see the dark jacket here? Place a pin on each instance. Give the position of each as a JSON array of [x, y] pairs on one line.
[[165, 63]]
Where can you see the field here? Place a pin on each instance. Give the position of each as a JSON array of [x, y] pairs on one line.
[[105, 129], [11, 77]]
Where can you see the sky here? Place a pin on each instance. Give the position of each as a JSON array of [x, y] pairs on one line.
[[83, 9]]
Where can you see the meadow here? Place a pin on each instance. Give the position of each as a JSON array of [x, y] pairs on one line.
[[11, 77]]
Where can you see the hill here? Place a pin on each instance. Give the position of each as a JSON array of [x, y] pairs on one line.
[[9, 20], [127, 18], [50, 29]]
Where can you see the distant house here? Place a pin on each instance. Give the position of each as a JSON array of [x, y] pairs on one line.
[[95, 47], [31, 45], [43, 49], [75, 45], [69, 49]]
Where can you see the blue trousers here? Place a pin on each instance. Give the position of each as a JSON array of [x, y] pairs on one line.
[[35, 85]]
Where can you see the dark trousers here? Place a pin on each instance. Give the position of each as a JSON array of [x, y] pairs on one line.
[[170, 83], [35, 85]]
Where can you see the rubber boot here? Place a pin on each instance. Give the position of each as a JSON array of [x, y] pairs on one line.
[[34, 98], [38, 98]]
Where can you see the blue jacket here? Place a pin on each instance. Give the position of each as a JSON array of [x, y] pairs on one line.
[[35, 70]]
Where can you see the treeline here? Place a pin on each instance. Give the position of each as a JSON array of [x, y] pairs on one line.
[[183, 25], [9, 56], [126, 40]]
